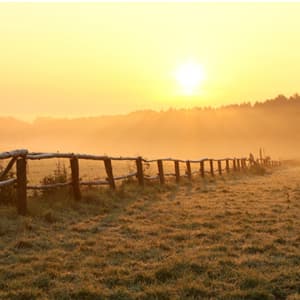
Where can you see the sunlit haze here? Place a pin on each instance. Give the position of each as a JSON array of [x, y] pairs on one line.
[[84, 59], [149, 150]]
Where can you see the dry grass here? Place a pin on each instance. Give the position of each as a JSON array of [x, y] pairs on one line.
[[230, 238]]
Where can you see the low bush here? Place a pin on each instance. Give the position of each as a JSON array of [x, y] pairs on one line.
[[59, 175], [257, 169]]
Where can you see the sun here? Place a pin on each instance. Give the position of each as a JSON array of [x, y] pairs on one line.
[[190, 75]]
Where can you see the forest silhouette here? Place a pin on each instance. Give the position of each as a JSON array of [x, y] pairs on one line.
[[185, 133]]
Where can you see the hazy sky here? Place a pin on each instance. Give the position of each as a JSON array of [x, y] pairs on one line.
[[77, 59]]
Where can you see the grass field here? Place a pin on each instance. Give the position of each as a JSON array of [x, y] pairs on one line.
[[235, 237]]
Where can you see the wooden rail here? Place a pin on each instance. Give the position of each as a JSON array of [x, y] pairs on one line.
[[21, 157]]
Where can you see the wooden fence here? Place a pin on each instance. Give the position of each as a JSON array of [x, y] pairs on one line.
[[20, 158]]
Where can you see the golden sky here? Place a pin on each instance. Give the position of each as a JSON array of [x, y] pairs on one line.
[[78, 59]]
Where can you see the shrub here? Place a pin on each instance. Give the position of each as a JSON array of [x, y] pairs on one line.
[[257, 169], [59, 175]]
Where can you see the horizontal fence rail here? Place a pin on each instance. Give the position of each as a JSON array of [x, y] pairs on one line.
[[205, 166], [8, 181]]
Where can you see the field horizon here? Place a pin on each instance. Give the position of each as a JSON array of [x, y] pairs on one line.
[[184, 133]]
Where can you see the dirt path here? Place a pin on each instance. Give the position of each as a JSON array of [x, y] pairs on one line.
[[233, 238]]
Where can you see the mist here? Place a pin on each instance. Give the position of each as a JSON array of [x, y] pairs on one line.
[[232, 130]]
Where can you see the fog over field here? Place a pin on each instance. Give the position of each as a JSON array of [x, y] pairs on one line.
[[149, 150], [186, 133]]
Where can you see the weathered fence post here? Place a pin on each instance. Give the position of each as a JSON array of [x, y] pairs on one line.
[[109, 172], [75, 178], [188, 169], [161, 171], [234, 164], [202, 168], [219, 167], [21, 186], [238, 164], [211, 163], [245, 163], [177, 171], [227, 166], [139, 170]]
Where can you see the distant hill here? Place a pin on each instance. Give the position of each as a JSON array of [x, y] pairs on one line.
[[198, 132]]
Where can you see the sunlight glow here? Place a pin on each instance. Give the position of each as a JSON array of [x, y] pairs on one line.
[[190, 75]]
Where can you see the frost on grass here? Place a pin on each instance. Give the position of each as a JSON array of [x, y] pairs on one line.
[[230, 238]]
